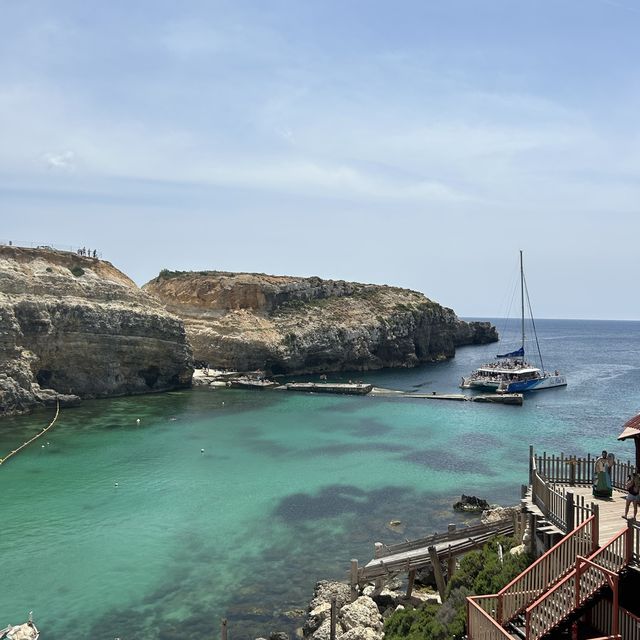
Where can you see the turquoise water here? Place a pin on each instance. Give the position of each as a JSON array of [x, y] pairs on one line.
[[289, 488]]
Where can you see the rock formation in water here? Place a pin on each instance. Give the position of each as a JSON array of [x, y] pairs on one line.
[[76, 327], [283, 324]]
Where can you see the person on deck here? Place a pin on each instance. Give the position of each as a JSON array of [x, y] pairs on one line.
[[633, 494]]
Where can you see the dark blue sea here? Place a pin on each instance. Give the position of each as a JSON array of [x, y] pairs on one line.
[[289, 487]]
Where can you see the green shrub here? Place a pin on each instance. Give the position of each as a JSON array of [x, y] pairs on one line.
[[167, 274], [77, 271], [479, 573]]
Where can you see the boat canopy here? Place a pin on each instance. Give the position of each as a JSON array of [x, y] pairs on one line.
[[500, 370], [518, 353]]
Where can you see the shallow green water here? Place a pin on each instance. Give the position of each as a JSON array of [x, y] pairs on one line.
[[288, 489]]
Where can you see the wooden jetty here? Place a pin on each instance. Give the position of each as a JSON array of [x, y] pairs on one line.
[[250, 383], [407, 557], [350, 388], [497, 398]]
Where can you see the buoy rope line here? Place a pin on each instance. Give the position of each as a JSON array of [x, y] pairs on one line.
[[26, 444]]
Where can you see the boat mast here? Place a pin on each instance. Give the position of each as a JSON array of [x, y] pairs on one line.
[[522, 296]]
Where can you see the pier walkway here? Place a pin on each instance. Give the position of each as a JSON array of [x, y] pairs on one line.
[[408, 557]]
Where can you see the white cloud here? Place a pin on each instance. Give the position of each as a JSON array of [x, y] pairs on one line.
[[64, 160]]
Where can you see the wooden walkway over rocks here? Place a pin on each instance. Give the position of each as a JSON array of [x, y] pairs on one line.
[[407, 557], [577, 580]]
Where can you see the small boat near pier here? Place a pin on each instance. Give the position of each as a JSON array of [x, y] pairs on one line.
[[26, 631]]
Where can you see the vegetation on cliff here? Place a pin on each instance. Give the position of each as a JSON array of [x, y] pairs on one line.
[[287, 324]]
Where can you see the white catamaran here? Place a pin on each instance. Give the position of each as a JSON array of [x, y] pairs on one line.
[[512, 373]]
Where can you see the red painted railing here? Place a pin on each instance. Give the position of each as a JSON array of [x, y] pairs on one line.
[[602, 620], [545, 571], [575, 588], [481, 623]]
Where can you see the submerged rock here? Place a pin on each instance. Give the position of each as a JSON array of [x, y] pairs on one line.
[[471, 504]]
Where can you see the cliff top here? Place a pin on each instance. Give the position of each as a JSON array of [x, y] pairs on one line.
[[261, 291], [63, 274]]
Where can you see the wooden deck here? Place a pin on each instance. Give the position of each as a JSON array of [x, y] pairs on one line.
[[610, 511]]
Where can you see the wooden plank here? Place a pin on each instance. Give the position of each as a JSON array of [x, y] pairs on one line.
[[437, 572]]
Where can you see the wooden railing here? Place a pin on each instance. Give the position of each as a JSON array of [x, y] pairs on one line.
[[572, 470], [635, 547], [602, 619], [481, 623], [558, 505], [551, 502], [546, 570], [407, 556], [589, 575]]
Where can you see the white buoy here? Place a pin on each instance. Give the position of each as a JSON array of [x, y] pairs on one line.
[[43, 446], [201, 450], [116, 484], [138, 421], [223, 404]]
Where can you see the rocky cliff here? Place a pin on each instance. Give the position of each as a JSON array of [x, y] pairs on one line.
[[77, 327], [286, 324]]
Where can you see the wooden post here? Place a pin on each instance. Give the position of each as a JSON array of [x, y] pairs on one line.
[[572, 472], [334, 615], [615, 608], [353, 579], [377, 553], [595, 531], [437, 572], [451, 565], [223, 630], [532, 533], [530, 464], [570, 513], [523, 491], [628, 543], [410, 582]]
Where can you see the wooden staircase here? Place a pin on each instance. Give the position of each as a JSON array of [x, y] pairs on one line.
[[555, 589]]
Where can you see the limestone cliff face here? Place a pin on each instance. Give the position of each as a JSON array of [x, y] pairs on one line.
[[77, 326], [286, 324]]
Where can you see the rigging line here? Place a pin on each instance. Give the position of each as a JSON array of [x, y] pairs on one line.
[[507, 317], [533, 324]]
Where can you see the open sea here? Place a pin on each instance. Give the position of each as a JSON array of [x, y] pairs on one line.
[[289, 488]]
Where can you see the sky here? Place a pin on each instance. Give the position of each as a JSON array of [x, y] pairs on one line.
[[420, 144]]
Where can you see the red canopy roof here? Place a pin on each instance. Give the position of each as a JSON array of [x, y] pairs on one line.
[[631, 428]]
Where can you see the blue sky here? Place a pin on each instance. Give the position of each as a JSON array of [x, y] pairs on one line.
[[419, 144]]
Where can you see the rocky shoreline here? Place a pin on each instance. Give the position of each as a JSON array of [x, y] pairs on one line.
[[73, 327], [363, 618]]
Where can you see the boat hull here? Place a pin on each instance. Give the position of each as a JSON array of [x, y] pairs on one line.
[[548, 382], [480, 384]]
